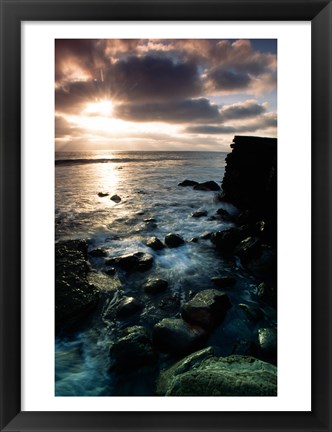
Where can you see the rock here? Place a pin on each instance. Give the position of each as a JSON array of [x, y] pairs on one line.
[[110, 271], [224, 214], [176, 337], [254, 313], [75, 297], [199, 213], [115, 198], [138, 261], [173, 240], [147, 220], [206, 236], [264, 266], [223, 281], [133, 350], [194, 240], [155, 286], [267, 338], [247, 249], [98, 253], [127, 307], [101, 194], [170, 303], [245, 347], [203, 374], [207, 186], [188, 183], [207, 309], [155, 244], [225, 241], [267, 293]]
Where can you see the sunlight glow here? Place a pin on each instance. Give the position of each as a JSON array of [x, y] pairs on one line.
[[103, 107]]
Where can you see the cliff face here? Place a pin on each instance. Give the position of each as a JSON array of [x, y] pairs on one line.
[[250, 180]]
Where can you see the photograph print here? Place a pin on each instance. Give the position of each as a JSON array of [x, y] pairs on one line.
[[166, 217]]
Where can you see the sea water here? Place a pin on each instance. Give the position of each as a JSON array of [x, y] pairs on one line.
[[152, 204]]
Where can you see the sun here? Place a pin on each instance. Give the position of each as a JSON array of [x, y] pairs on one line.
[[102, 108]]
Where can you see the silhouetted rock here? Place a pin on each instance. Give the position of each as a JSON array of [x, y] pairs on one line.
[[207, 186], [176, 337], [224, 214], [207, 309], [133, 350], [115, 198], [248, 248], [98, 253], [110, 271], [254, 313], [173, 240], [101, 194], [188, 183], [267, 293], [225, 241], [138, 261], [199, 213]]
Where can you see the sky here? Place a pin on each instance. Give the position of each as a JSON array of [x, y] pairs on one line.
[[163, 94]]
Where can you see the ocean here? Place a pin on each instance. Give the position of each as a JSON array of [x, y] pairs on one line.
[[152, 204]]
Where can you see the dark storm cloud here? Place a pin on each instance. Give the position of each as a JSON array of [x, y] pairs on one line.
[[173, 111], [153, 79], [229, 79], [247, 109], [210, 130]]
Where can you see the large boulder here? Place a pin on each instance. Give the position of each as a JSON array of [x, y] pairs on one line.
[[138, 261], [204, 374], [133, 350], [223, 281], [207, 186], [173, 240], [267, 338], [175, 336], [98, 253], [75, 297], [207, 309]]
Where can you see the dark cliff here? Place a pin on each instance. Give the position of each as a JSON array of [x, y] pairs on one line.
[[250, 180]]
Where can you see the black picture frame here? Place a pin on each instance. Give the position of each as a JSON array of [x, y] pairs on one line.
[[13, 12]]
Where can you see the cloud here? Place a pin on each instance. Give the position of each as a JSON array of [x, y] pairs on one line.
[[240, 110], [152, 78], [74, 96], [174, 111], [208, 129]]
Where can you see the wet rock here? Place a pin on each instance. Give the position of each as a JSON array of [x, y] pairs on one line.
[[203, 374], [225, 241], [193, 240], [254, 313], [127, 307], [224, 214], [248, 248], [75, 297], [170, 303], [207, 186], [101, 194], [96, 253], [147, 220], [155, 286], [115, 198], [267, 293], [207, 309], [138, 261], [188, 183], [155, 244], [173, 240], [176, 337], [267, 338], [110, 271], [264, 266], [199, 213], [245, 347], [206, 236], [223, 281], [133, 350]]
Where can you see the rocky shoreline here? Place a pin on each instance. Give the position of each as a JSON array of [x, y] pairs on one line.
[[180, 347]]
